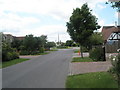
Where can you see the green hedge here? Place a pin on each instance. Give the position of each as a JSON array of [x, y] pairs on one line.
[[9, 56], [8, 53], [97, 54]]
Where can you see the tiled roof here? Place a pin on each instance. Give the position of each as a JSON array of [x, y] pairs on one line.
[[20, 38], [108, 30]]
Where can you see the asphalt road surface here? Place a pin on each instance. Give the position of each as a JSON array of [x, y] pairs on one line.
[[46, 71]]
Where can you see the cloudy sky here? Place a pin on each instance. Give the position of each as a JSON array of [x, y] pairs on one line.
[[48, 17]]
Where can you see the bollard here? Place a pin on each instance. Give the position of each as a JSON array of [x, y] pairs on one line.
[[79, 52]]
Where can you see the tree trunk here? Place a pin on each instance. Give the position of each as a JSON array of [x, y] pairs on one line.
[[81, 52]]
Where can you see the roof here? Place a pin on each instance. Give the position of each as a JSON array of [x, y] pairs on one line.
[[20, 38], [108, 30]]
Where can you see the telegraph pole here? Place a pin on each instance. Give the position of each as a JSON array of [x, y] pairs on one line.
[[58, 39]]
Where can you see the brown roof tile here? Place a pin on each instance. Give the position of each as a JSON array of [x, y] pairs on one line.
[[108, 30]]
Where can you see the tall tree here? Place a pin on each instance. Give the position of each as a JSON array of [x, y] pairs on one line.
[[69, 43], [29, 43], [115, 5], [43, 39], [81, 25], [94, 39]]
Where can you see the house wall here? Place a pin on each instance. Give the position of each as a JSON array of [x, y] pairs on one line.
[[112, 48]]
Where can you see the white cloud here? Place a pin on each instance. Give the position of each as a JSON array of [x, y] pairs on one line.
[[58, 9], [11, 22], [101, 6]]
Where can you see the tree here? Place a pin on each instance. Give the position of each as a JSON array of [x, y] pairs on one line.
[[50, 44], [115, 5], [69, 43], [81, 25], [29, 43], [94, 39], [44, 40], [16, 44]]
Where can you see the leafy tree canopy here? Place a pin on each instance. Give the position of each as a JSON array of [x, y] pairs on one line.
[[115, 5], [82, 24]]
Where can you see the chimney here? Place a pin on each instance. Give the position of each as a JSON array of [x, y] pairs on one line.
[[115, 23]]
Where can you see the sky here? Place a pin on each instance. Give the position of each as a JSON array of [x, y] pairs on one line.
[[48, 17]]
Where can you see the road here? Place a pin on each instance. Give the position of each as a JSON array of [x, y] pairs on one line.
[[46, 71]]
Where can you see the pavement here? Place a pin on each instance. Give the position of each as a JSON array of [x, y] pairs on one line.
[[29, 56], [87, 67], [45, 71]]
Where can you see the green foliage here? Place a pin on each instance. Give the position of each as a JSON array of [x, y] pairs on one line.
[[97, 54], [8, 53], [94, 39], [41, 50], [24, 52], [116, 64], [12, 62], [115, 5], [69, 43], [33, 45], [62, 47], [116, 67], [50, 44], [17, 44], [29, 43], [81, 25]]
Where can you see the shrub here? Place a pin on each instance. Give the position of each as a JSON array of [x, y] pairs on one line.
[[116, 64], [15, 55], [8, 53], [24, 52], [9, 56], [116, 67], [62, 47], [84, 49], [41, 50], [97, 54]]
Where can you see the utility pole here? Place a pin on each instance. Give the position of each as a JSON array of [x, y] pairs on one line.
[[58, 39]]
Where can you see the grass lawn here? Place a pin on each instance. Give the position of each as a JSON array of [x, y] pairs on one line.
[[76, 51], [92, 80], [12, 62], [53, 50], [79, 59]]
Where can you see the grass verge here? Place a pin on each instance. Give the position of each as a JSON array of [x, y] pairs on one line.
[[12, 62], [92, 80], [79, 59], [76, 51]]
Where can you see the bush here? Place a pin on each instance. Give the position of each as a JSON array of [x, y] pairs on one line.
[[9, 56], [62, 47], [8, 53], [97, 54], [41, 50], [84, 49], [24, 52], [116, 64], [15, 55]]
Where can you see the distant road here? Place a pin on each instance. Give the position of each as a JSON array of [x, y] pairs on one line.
[[46, 71]]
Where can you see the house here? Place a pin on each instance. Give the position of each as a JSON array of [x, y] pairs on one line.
[[10, 38], [111, 45], [20, 38]]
